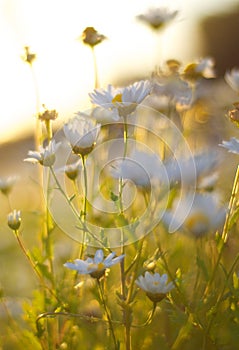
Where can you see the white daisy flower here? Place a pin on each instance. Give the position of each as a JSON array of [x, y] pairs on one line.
[[124, 100], [7, 183], [101, 115], [157, 18], [140, 167], [189, 170], [46, 155], [72, 170], [96, 266], [82, 134], [232, 79], [203, 68], [154, 285], [199, 216], [232, 145]]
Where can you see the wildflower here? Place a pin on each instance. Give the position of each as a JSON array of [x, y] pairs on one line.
[[81, 134], [204, 68], [91, 37], [72, 170], [198, 215], [6, 184], [28, 57], [233, 114], [232, 79], [232, 145], [125, 100], [189, 170], [154, 285], [14, 219], [46, 155], [140, 168], [175, 89], [94, 267], [157, 18], [47, 114], [101, 115]]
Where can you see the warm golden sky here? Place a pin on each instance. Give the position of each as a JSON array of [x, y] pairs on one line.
[[63, 69]]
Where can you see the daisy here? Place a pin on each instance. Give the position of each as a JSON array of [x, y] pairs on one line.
[[140, 168], [91, 37], [96, 266], [199, 215], [154, 285], [232, 79], [189, 170], [101, 115], [157, 18], [124, 100], [72, 170], [6, 184], [232, 145], [46, 155], [203, 68], [81, 133]]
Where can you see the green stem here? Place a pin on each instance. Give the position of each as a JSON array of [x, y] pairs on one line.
[[32, 264], [48, 130], [224, 236], [84, 227], [107, 312], [38, 132], [219, 300], [84, 204]]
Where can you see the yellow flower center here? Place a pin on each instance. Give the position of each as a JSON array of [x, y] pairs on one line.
[[96, 267], [117, 98]]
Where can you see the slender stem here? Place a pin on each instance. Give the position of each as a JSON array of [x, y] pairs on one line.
[[95, 68], [84, 204], [49, 228], [107, 312], [32, 264], [224, 236], [48, 125], [84, 227], [38, 132], [219, 299]]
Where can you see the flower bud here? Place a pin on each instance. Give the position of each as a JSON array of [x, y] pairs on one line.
[[14, 219]]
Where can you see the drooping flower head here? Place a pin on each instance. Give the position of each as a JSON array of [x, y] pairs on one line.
[[91, 37], [72, 170], [82, 134], [46, 155], [157, 18], [154, 285], [6, 184], [96, 266], [28, 57], [125, 100]]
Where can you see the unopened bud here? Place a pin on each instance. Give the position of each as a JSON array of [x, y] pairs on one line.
[[14, 219]]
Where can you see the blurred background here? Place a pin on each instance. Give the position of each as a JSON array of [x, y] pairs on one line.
[[63, 69]]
